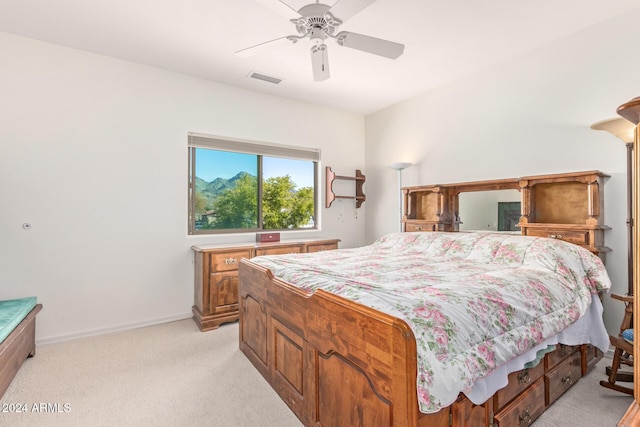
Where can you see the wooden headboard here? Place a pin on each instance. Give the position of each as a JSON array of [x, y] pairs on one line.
[[566, 206]]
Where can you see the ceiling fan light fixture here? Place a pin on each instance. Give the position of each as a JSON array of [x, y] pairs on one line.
[[317, 36]]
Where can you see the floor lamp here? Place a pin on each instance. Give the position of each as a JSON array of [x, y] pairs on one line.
[[624, 130], [399, 166]]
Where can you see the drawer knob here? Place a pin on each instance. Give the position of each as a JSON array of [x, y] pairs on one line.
[[230, 261], [555, 236], [567, 380], [418, 228], [523, 377], [525, 418]]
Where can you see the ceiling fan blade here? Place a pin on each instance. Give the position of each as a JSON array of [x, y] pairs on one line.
[[320, 62], [370, 44], [280, 8], [262, 47], [345, 9]]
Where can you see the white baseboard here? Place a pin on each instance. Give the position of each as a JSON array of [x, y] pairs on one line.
[[111, 329]]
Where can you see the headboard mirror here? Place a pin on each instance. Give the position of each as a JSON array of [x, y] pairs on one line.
[[491, 210], [488, 205]]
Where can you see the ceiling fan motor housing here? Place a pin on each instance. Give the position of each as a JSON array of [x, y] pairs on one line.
[[316, 20]]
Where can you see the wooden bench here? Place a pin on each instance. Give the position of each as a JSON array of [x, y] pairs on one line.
[[18, 328]]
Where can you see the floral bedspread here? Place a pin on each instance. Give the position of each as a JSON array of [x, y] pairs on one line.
[[473, 300]]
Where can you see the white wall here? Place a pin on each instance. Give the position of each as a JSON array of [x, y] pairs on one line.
[[528, 116], [93, 154]]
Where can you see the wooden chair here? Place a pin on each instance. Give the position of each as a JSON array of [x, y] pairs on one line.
[[623, 354]]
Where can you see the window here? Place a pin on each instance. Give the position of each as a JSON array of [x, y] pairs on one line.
[[237, 185]]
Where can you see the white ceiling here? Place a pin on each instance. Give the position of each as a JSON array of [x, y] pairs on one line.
[[444, 40]]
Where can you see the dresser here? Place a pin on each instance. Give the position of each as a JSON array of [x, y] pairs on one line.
[[216, 275]]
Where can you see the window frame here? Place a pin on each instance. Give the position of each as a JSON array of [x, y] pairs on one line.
[[259, 149]]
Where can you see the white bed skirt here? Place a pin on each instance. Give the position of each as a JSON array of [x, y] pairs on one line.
[[589, 329]]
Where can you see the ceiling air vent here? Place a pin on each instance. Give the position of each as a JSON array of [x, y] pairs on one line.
[[264, 77]]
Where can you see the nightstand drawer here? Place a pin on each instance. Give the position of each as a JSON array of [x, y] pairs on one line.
[[581, 237], [417, 226], [228, 261]]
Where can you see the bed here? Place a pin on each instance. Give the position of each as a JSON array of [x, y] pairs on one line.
[[337, 338]]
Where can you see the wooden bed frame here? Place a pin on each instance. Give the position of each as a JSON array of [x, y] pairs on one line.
[[338, 363], [17, 347]]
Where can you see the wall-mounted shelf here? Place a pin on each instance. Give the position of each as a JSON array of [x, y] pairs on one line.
[[359, 180]]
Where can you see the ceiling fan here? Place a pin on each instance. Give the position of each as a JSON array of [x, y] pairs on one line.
[[318, 22]]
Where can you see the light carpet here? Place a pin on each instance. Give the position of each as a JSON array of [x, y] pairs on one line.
[[174, 375]]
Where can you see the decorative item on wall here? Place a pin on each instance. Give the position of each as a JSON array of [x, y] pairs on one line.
[[624, 130], [359, 179], [400, 166]]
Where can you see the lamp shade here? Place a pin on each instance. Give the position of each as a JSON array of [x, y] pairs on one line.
[[619, 127], [399, 165]]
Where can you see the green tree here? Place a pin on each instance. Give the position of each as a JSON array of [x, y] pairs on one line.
[[238, 207], [283, 207], [302, 211], [276, 195]]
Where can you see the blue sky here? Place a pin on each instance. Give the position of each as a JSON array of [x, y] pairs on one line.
[[212, 164]]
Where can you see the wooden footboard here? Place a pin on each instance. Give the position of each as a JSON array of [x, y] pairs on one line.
[[337, 363], [334, 362], [18, 345]]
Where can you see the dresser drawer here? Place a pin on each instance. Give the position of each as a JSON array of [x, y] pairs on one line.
[[223, 292], [323, 247], [562, 377], [518, 381], [578, 237], [279, 250], [559, 354], [228, 261], [524, 409]]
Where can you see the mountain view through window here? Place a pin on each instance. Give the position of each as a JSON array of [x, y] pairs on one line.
[[233, 191]]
